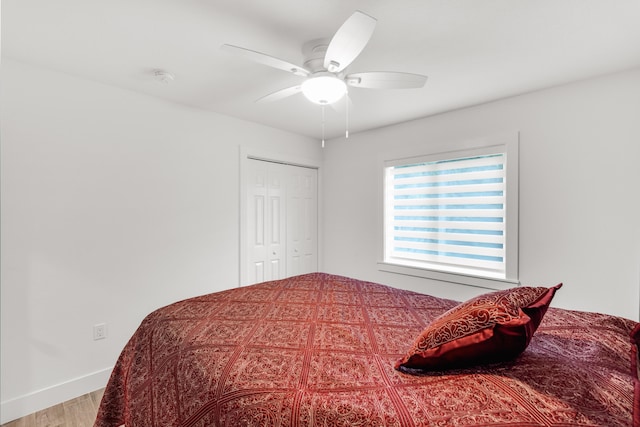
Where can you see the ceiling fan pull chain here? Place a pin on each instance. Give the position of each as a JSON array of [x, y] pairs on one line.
[[323, 126], [346, 101]]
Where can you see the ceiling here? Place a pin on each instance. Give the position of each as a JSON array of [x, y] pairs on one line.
[[473, 51]]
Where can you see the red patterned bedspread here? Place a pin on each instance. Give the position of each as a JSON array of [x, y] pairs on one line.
[[319, 350]]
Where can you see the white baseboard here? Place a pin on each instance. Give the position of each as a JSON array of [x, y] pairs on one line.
[[41, 399]]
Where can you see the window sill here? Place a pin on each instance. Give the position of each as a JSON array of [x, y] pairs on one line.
[[460, 279]]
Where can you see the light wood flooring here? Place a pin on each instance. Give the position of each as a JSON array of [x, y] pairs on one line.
[[79, 412]]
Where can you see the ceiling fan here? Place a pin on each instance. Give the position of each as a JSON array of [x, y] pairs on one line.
[[325, 65]]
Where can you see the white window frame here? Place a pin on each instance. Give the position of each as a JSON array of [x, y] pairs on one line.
[[508, 144]]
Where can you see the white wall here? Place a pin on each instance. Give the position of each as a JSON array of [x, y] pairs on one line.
[[579, 191], [113, 204]]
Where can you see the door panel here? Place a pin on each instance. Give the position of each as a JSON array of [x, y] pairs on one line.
[[277, 221], [256, 196], [302, 222]]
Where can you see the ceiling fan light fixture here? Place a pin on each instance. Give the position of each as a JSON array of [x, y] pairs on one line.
[[324, 89]]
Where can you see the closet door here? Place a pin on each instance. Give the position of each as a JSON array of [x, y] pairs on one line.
[[265, 225], [280, 225]]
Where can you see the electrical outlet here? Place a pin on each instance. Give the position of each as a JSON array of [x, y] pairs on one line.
[[99, 331]]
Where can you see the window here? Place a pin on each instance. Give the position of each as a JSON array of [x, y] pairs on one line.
[[454, 213]]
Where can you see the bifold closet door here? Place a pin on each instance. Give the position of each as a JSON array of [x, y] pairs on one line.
[[281, 221]]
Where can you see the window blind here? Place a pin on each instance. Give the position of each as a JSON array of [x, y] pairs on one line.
[[448, 213]]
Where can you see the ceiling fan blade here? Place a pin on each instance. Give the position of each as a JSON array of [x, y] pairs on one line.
[[280, 94], [386, 80], [348, 41], [265, 59]]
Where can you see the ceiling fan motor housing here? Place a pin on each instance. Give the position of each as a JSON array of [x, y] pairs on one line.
[[313, 53]]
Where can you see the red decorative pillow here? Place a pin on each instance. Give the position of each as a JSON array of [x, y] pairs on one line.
[[490, 328]]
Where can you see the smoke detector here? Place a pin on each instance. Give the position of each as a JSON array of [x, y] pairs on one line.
[[163, 77]]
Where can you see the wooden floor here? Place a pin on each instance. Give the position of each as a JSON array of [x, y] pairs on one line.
[[80, 412]]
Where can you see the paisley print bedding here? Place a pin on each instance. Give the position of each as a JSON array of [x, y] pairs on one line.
[[320, 349]]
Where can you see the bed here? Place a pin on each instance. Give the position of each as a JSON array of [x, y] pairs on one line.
[[327, 350]]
